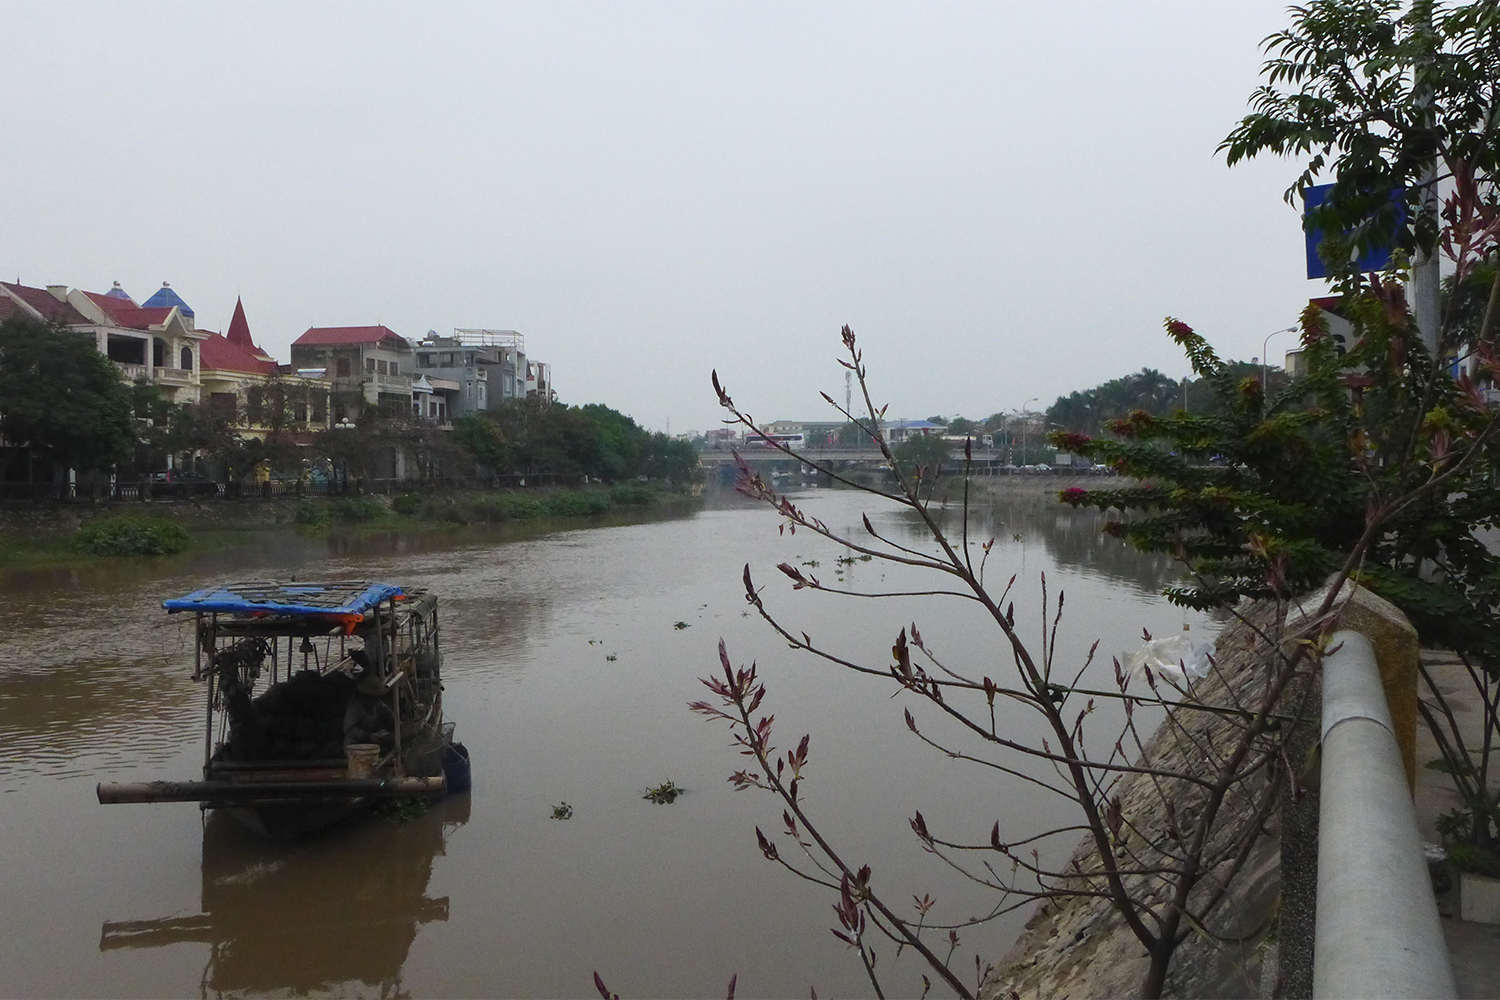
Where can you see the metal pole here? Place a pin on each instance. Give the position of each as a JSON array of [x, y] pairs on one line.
[[1426, 281], [1265, 345], [1026, 426]]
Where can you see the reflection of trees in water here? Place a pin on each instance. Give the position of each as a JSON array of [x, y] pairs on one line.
[[1073, 538], [304, 918]]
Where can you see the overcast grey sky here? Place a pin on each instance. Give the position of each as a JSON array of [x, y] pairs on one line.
[[1003, 199]]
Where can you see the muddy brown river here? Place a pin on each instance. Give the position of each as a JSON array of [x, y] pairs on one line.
[[569, 659]]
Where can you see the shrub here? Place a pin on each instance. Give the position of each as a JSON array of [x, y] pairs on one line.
[[634, 494], [582, 503], [131, 535], [312, 514], [520, 506], [407, 504], [356, 509]]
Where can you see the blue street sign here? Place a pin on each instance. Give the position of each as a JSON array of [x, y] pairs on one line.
[[1374, 259]]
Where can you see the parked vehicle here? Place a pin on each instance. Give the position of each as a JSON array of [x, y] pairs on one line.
[[351, 711], [182, 483]]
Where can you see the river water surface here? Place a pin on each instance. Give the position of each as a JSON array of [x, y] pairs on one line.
[[569, 659]]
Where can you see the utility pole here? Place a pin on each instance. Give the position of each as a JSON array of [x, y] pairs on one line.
[[1426, 289]]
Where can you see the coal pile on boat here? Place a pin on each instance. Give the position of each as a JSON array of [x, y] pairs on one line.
[[301, 718]]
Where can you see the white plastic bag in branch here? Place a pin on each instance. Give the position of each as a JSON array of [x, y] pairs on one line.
[[1174, 659]]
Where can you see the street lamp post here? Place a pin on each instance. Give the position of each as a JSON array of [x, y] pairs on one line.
[[1265, 345], [1025, 426]]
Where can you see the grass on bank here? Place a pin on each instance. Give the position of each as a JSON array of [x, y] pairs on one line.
[[137, 533], [480, 507]]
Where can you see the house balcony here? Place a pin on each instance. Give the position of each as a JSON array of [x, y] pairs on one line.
[[132, 373], [174, 376]]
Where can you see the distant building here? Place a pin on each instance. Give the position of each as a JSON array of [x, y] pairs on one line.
[[896, 431], [157, 343], [369, 367], [235, 375], [488, 366]]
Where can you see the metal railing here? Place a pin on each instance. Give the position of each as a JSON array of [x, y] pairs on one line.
[[1378, 931], [137, 490]]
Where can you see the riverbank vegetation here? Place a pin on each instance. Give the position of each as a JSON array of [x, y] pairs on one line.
[[127, 530]]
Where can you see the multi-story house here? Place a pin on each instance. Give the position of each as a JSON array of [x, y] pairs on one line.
[[369, 367], [156, 341], [489, 366], [539, 381], [247, 385]]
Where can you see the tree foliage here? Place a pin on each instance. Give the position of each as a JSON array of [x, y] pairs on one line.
[[531, 437], [1089, 411], [61, 399], [1375, 95]]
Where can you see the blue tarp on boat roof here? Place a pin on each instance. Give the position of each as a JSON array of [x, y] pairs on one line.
[[341, 598]]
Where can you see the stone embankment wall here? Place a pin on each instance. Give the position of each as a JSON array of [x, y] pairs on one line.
[[1080, 947]]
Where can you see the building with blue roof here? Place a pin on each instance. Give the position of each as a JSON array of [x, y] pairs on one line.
[[165, 298]]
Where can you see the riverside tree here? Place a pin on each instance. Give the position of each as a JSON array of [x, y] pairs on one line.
[[1380, 96], [61, 402]]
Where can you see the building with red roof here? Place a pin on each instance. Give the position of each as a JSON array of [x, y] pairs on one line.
[[238, 379], [158, 344], [369, 366]]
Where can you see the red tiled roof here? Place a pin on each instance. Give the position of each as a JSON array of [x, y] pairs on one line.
[[8, 308], [52, 309], [321, 336], [239, 327], [127, 314], [219, 353]]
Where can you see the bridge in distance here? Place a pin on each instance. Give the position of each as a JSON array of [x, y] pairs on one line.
[[982, 457]]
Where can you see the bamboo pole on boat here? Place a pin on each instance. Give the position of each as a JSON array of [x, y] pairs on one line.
[[395, 687], [213, 673], [124, 792]]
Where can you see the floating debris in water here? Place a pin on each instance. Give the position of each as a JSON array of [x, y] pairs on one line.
[[679, 626], [562, 811], [664, 793]]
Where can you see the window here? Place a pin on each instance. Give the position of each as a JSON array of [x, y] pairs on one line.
[[469, 390], [343, 368], [299, 412], [319, 415], [370, 365], [187, 358], [380, 367], [223, 405], [424, 360], [395, 368]]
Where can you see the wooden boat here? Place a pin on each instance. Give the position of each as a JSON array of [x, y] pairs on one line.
[[351, 710]]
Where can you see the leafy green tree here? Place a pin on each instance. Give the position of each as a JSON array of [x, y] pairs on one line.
[[61, 400], [483, 439], [530, 437], [962, 425], [1381, 97], [923, 457], [668, 459]]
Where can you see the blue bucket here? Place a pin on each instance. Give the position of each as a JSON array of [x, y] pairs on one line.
[[456, 767]]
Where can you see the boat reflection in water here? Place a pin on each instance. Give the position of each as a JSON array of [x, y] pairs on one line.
[[307, 917]]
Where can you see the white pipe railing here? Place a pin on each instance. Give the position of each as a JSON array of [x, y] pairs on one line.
[[1378, 930]]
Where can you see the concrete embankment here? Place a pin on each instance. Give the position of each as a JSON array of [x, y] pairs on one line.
[[1079, 946]]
